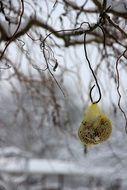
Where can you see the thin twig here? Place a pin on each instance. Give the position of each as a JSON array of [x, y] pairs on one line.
[[51, 72], [118, 86], [89, 64], [115, 25], [13, 36]]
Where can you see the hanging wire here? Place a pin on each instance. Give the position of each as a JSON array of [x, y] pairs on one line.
[[99, 90]]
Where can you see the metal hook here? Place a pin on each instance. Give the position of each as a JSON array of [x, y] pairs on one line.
[[99, 90], [91, 95]]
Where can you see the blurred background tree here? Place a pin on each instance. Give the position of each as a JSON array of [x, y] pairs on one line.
[[45, 78]]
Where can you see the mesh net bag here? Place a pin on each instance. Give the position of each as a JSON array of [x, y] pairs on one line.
[[96, 127]]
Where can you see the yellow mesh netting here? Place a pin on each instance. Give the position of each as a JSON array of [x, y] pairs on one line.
[[96, 127]]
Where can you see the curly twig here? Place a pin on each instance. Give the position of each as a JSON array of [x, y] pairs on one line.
[[43, 44], [118, 85], [47, 67], [99, 90], [13, 36]]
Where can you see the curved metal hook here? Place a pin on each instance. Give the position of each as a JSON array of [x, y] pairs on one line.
[[91, 95], [99, 90]]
